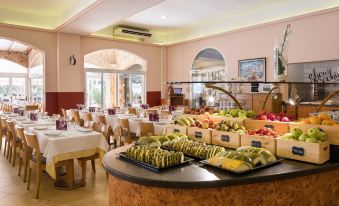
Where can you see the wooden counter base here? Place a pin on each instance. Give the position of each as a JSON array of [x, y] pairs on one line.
[[317, 189]]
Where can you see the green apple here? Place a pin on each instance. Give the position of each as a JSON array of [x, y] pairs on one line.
[[228, 115], [303, 137], [234, 112], [297, 132], [222, 112], [314, 133], [322, 136], [311, 140], [251, 113]]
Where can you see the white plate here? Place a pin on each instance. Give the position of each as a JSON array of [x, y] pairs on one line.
[[84, 130], [52, 133], [13, 115], [7, 112], [27, 122], [20, 118], [40, 128]]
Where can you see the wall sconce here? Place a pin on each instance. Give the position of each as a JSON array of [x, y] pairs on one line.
[[72, 60]]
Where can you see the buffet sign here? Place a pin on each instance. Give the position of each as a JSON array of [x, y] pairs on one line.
[[321, 72]]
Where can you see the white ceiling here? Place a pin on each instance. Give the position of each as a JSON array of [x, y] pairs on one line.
[[13, 46], [186, 19]]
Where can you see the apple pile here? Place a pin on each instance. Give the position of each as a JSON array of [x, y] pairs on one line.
[[235, 113], [282, 117], [202, 110], [263, 132], [205, 124], [313, 135]]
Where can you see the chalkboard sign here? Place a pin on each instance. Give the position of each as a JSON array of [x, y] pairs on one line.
[[198, 135], [176, 131], [225, 138], [298, 151], [269, 126], [256, 144]]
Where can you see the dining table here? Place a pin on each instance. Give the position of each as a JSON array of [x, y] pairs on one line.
[[63, 145]]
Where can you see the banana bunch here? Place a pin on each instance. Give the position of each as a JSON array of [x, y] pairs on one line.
[[155, 156], [196, 149], [184, 121]]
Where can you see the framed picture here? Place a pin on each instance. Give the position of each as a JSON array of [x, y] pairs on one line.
[[252, 69]]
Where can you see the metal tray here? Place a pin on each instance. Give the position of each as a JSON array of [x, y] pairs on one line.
[[279, 159], [153, 168]]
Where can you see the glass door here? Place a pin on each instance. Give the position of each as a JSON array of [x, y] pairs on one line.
[[94, 89], [36, 89], [4, 88], [124, 89], [109, 90], [137, 88], [18, 88]]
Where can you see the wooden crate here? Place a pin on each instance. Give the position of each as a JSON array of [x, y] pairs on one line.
[[176, 128], [331, 131], [317, 153], [199, 134], [280, 127], [225, 139], [215, 119], [268, 143]]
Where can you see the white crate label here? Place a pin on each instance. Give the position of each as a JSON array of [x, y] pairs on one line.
[[176, 130], [298, 151], [256, 144], [198, 135], [225, 138], [269, 126]]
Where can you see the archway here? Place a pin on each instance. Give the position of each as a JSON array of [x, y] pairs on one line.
[[114, 77], [208, 65], [21, 71]]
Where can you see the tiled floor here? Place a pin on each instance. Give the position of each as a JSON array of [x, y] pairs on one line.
[[13, 191]]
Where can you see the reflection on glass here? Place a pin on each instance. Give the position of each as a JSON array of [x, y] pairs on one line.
[[93, 88], [209, 65]]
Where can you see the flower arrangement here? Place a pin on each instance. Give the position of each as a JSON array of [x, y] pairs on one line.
[[281, 55]]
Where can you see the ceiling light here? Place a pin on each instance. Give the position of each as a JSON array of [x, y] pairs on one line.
[[164, 17]]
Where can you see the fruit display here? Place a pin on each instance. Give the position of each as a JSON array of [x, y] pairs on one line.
[[242, 159], [274, 117], [264, 131], [321, 119], [161, 140], [155, 156], [198, 111], [313, 135], [196, 149], [190, 122], [229, 126], [235, 113]]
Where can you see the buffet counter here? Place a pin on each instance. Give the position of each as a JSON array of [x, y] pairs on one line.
[[286, 183]]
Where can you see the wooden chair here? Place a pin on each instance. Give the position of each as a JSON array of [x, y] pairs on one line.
[[154, 111], [125, 132], [32, 107], [1, 134], [5, 133], [36, 161], [63, 112], [103, 129], [76, 117], [88, 116], [132, 110], [146, 128], [14, 140], [23, 153], [88, 124], [101, 119]]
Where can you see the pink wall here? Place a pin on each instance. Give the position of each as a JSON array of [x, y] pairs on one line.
[[314, 38]]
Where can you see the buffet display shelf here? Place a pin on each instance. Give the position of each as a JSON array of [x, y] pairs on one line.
[[196, 176]]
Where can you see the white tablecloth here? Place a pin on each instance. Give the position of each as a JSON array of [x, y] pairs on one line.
[[71, 142]]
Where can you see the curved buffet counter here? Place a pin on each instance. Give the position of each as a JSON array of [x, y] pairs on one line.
[[286, 183]]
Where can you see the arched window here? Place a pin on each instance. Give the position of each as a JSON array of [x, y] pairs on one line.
[[208, 65], [114, 77]]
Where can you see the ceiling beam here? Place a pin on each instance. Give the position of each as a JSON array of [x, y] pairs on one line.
[[104, 14]]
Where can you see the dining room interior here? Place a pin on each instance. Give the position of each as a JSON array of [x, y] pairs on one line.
[[168, 102]]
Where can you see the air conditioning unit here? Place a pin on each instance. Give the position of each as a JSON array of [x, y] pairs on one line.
[[131, 32]]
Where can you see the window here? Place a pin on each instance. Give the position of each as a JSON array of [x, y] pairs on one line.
[[208, 65]]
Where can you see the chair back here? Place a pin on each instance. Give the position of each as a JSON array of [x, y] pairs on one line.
[[76, 116], [154, 111], [101, 119], [124, 124], [21, 135], [4, 125], [146, 128], [11, 130], [88, 124], [63, 112], [97, 127], [88, 116], [1, 133], [132, 110], [33, 144], [32, 107]]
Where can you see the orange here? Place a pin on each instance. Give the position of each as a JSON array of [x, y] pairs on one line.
[[324, 116]]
